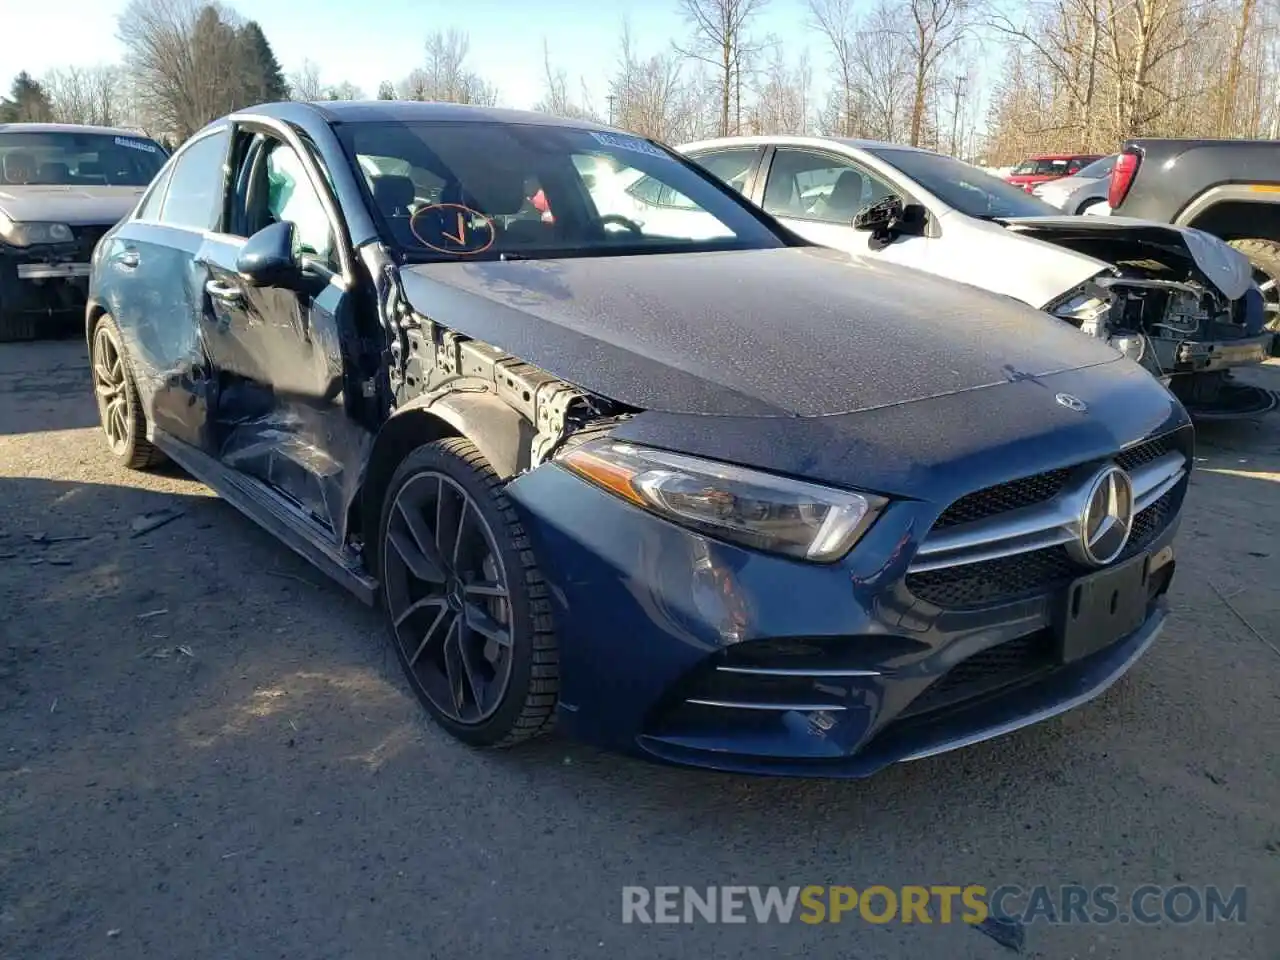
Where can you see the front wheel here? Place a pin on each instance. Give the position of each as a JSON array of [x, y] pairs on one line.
[[467, 605]]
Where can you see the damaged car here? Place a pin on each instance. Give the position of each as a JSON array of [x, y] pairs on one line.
[[1179, 301], [61, 187], [721, 498]]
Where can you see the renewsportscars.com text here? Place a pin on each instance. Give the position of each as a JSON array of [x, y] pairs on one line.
[[942, 904]]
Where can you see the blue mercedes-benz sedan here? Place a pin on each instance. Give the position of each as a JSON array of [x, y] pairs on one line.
[[614, 449]]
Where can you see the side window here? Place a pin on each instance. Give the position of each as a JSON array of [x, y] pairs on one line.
[[814, 186], [291, 196], [731, 166], [150, 208], [194, 197]]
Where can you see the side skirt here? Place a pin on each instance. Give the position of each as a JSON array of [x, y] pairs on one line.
[[279, 518]]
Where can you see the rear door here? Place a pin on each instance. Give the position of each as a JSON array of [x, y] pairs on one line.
[[151, 283], [288, 416]]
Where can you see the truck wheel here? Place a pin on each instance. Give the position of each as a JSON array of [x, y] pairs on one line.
[[16, 326], [124, 422], [1265, 257], [469, 612]]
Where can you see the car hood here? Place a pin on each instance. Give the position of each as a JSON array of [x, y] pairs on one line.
[[793, 332], [77, 206], [1226, 268]]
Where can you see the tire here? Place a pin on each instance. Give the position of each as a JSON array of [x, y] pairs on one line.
[[120, 413], [15, 327], [435, 619], [1264, 255], [1084, 208]]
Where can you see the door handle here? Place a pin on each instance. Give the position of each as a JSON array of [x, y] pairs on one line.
[[129, 259], [221, 291]]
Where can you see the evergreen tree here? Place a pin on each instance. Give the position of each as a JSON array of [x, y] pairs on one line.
[[27, 102], [386, 91], [263, 79]]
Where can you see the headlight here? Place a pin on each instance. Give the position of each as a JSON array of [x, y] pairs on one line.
[[758, 510], [25, 234], [1083, 308]]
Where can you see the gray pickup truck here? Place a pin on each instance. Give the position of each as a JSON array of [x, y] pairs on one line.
[[61, 188], [1230, 188]]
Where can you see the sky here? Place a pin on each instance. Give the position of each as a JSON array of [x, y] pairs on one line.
[[367, 41]]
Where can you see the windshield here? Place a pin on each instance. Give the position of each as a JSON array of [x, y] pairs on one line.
[[453, 190], [965, 187], [1098, 169], [68, 159]]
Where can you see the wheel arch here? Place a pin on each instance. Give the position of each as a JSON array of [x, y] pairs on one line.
[[1234, 212], [93, 312], [501, 435]]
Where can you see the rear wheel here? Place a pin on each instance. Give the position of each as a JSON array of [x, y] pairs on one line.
[[119, 407], [467, 605], [1264, 256]]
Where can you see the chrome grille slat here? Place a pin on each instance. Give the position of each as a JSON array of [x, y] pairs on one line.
[[1036, 527]]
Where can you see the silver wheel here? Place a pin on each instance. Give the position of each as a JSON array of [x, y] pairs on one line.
[[113, 396]]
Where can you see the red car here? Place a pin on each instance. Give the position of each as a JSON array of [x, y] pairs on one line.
[[1052, 166]]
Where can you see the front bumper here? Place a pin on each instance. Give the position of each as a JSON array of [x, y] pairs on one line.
[[48, 279], [670, 643], [1208, 356]]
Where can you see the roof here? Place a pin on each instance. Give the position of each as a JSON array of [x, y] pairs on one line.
[[407, 111], [70, 128], [797, 141]]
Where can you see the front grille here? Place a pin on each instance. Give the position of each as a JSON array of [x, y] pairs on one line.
[[1029, 574], [995, 668], [1039, 488]]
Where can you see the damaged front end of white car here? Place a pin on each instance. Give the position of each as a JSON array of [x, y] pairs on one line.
[[1179, 301]]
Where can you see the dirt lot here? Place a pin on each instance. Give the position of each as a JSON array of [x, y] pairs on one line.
[[207, 751]]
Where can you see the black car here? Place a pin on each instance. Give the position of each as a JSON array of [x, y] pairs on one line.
[[694, 488], [61, 187]]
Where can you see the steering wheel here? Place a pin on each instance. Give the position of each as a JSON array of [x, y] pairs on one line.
[[621, 221]]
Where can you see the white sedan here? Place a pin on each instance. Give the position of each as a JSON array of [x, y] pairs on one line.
[[1178, 300]]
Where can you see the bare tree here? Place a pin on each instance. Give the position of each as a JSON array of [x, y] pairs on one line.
[[346, 90], [305, 83], [652, 97], [782, 104], [445, 76], [184, 59], [720, 40], [93, 95], [834, 20], [556, 99], [935, 26]]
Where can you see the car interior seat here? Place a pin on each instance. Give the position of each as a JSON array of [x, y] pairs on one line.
[[19, 167], [54, 173], [845, 199]]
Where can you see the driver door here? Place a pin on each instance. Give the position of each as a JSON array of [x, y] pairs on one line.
[[281, 354], [817, 194]]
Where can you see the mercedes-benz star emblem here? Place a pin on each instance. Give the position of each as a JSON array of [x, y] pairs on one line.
[[1072, 403], [1107, 518]]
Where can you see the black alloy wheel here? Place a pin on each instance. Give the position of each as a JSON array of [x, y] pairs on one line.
[[466, 604]]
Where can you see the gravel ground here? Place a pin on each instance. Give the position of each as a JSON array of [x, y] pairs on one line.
[[207, 751]]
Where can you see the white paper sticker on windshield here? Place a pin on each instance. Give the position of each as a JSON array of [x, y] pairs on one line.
[[136, 144], [627, 143]]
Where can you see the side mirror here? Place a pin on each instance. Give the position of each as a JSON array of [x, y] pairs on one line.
[[890, 217], [883, 215], [267, 259]]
